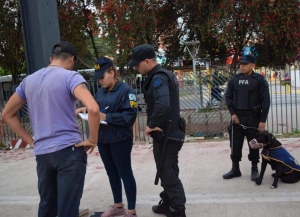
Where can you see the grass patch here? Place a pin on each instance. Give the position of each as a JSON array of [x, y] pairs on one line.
[[283, 82], [208, 110]]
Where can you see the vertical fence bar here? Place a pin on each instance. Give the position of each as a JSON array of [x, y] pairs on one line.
[[281, 116], [291, 101], [275, 95], [271, 93], [286, 109], [296, 91], [264, 70]]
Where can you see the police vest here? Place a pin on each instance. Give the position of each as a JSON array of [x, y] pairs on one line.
[[246, 91], [174, 113]]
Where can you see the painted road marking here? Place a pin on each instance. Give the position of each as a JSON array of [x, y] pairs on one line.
[[192, 199]]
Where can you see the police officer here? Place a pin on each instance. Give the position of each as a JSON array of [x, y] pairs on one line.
[[118, 108], [161, 95], [248, 101]]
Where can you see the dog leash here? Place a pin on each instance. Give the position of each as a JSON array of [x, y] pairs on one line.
[[243, 126]]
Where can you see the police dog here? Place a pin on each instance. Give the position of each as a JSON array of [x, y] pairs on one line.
[[285, 165]]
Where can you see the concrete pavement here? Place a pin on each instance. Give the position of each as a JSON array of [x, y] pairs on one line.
[[202, 165]]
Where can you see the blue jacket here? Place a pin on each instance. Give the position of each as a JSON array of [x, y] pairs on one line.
[[120, 115]]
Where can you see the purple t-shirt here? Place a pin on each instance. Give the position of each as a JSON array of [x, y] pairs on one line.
[[51, 105]]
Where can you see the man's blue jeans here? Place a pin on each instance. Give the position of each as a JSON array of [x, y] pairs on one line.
[[60, 182]]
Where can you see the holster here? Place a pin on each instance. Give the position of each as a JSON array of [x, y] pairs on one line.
[[257, 111], [158, 136], [182, 124]]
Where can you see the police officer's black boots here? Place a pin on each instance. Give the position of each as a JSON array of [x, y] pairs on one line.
[[174, 213], [163, 206], [254, 171], [171, 214], [234, 172]]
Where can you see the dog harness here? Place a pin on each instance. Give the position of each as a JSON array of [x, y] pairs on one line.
[[280, 154]]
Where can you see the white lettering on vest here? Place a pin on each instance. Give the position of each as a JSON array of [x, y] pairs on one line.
[[243, 82]]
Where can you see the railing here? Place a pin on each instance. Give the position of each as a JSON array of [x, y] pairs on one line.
[[202, 105]]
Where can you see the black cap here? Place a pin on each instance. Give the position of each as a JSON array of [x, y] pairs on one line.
[[140, 53], [249, 58], [101, 65], [66, 47]]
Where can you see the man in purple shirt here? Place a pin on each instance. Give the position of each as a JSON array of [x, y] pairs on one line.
[[51, 94]]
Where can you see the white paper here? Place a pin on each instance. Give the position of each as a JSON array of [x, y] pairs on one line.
[[85, 117]]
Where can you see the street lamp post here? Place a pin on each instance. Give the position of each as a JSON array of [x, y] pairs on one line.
[[193, 47]]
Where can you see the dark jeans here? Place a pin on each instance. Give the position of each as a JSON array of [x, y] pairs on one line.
[[116, 158], [60, 182], [239, 135], [173, 188]]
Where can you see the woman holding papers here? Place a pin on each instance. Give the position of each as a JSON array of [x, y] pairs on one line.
[[118, 108]]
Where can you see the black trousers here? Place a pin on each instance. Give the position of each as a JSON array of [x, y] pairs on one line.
[[173, 188], [239, 135]]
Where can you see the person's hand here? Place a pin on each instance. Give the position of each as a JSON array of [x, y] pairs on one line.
[[149, 130], [80, 110], [235, 119], [261, 126], [102, 116], [88, 145]]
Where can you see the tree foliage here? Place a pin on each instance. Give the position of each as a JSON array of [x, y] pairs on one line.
[[223, 27], [12, 53], [78, 24], [271, 24], [127, 23]]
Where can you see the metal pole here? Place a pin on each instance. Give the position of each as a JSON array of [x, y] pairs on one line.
[[193, 52], [41, 31], [195, 81]]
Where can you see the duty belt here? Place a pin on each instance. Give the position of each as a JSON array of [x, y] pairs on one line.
[[244, 113]]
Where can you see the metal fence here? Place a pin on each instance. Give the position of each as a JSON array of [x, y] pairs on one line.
[[204, 107], [202, 102]]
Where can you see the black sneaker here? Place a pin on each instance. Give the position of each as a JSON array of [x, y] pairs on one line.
[[161, 208]]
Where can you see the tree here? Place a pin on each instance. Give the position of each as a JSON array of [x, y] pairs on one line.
[[260, 24], [83, 33], [127, 23], [2, 72], [79, 25], [223, 27], [12, 52], [103, 49], [199, 27]]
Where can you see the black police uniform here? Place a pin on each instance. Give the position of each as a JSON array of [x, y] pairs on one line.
[[161, 94], [248, 97]]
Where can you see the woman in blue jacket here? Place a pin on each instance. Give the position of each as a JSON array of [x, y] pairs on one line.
[[118, 108]]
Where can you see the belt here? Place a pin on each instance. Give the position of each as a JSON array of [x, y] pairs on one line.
[[244, 113]]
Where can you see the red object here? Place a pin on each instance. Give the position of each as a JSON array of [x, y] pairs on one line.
[[18, 143], [230, 59]]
